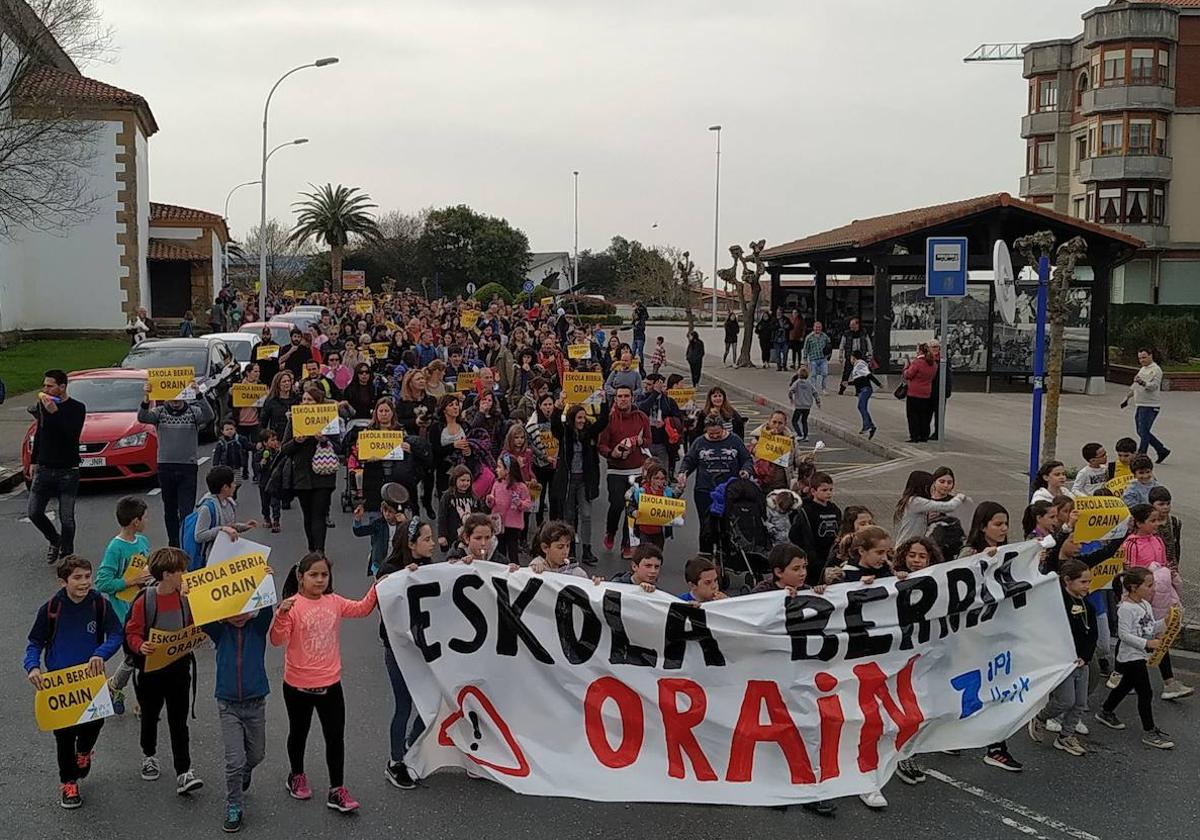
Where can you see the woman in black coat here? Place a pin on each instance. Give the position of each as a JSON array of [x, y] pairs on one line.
[[572, 493], [415, 466], [280, 398], [765, 330], [362, 392], [313, 489], [414, 413], [695, 356]]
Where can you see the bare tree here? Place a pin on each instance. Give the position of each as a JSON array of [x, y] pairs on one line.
[[46, 150], [749, 290], [685, 270], [286, 259]]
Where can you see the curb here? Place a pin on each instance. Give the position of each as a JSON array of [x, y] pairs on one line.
[[1189, 638], [10, 479]]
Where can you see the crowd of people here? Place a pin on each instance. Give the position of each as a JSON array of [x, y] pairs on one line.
[[522, 425]]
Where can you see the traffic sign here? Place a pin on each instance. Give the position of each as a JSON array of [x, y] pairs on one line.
[[470, 288], [528, 287], [946, 266]]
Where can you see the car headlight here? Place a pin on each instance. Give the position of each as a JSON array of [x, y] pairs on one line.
[[137, 439]]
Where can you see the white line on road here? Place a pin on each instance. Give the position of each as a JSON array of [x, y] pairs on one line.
[[154, 491], [1015, 807], [1015, 825]]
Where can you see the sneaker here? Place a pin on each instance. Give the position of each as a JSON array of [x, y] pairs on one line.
[[1173, 689], [1037, 729], [874, 799], [1162, 456], [909, 772], [608, 542], [396, 773], [1158, 739], [871, 433], [51, 559], [118, 700], [83, 763], [1053, 725], [1114, 680], [1069, 744], [626, 553], [1003, 759], [69, 797], [340, 800], [822, 807], [1081, 728], [150, 768], [587, 558], [275, 527], [233, 819], [187, 781], [1109, 719], [297, 786]]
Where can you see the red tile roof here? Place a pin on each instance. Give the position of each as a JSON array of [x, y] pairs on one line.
[[165, 249], [49, 84], [175, 213], [864, 232]]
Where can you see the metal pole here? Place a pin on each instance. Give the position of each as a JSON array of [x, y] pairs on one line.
[[225, 254], [943, 366], [1039, 368], [716, 224], [575, 268]]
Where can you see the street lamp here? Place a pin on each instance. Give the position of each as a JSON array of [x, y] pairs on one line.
[[716, 223], [262, 220], [575, 269], [225, 250]]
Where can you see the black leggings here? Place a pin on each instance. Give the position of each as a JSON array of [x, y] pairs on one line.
[[331, 712], [800, 421], [618, 486], [695, 366], [170, 687], [510, 543], [73, 741], [1134, 677], [314, 506]]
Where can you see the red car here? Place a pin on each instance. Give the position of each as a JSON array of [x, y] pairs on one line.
[[114, 445]]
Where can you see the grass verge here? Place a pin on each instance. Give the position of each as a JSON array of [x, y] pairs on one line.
[[23, 365]]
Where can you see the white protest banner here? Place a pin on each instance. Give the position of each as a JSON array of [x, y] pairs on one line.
[[756, 700]]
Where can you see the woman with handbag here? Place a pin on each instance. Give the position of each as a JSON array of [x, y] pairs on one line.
[[314, 473], [918, 396]]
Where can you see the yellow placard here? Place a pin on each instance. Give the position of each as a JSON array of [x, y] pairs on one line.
[[1103, 573], [247, 395], [71, 696], [549, 444], [289, 293], [682, 396], [363, 307], [659, 510], [579, 351], [466, 382], [579, 385], [774, 448], [380, 445], [314, 419], [1100, 518], [1118, 483], [172, 646], [239, 585], [169, 383], [468, 319], [135, 570], [262, 352], [380, 349], [546, 301]]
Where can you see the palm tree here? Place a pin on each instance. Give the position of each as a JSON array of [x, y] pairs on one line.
[[331, 214]]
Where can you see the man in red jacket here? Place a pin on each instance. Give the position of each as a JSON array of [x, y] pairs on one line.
[[621, 443]]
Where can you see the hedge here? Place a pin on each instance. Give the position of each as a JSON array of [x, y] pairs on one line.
[[487, 291], [601, 320], [539, 292], [1120, 315], [1170, 336], [586, 305]]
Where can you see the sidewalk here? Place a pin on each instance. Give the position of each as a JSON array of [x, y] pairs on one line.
[[14, 420], [987, 444]]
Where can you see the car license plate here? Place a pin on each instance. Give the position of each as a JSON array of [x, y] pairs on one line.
[[98, 461]]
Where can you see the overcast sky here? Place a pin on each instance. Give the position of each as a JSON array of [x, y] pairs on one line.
[[832, 110]]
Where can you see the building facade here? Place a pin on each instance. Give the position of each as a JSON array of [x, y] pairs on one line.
[[1112, 132], [184, 259]]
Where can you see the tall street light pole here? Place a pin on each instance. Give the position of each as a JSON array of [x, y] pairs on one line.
[[575, 266], [225, 255], [716, 224], [262, 219]]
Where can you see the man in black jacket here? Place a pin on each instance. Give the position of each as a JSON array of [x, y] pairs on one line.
[[55, 462]]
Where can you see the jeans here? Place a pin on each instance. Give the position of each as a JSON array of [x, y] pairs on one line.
[[330, 706], [639, 350], [577, 509], [730, 350], [72, 741], [178, 483], [781, 355], [800, 421], [314, 506], [60, 483], [406, 727], [819, 370], [1143, 420], [1134, 677], [244, 733], [170, 687], [1069, 700], [618, 486], [864, 397]]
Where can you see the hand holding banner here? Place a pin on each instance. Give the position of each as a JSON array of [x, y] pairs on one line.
[[380, 445], [71, 696], [380, 349], [659, 510], [169, 647], [579, 351], [171, 383], [248, 395], [235, 581], [134, 572], [314, 419], [774, 448], [579, 386], [1100, 518]]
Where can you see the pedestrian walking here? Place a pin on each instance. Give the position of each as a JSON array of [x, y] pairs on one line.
[[731, 337], [54, 462], [854, 338], [862, 379], [1146, 393], [918, 376], [695, 356], [178, 423], [817, 350]]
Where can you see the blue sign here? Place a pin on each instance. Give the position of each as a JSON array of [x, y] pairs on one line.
[[946, 266], [528, 287]]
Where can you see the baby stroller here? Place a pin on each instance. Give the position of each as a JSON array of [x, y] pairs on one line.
[[742, 542], [352, 494]]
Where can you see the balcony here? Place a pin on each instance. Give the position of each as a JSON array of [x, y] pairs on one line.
[[1044, 122], [1041, 183], [1155, 236], [1125, 167], [1049, 57], [1126, 23], [1128, 98]]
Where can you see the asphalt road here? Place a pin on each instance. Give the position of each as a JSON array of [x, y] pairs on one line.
[[1121, 789]]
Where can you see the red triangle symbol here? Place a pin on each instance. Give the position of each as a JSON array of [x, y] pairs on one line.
[[486, 720]]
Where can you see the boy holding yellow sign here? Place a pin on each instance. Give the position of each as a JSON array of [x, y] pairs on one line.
[[73, 634], [121, 576]]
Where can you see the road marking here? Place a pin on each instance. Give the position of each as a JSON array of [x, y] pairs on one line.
[[202, 460], [154, 492], [51, 515], [1015, 807]]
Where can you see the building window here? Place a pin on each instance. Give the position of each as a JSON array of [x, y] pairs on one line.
[[1096, 70], [1110, 138], [1142, 67], [1158, 210], [1164, 67], [1078, 207], [1160, 137], [1043, 156], [1114, 68], [1048, 95], [1139, 137], [1080, 88], [1137, 205], [1080, 150], [1033, 97], [1088, 210], [1108, 208]]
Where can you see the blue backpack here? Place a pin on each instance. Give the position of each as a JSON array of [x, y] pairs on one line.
[[187, 534]]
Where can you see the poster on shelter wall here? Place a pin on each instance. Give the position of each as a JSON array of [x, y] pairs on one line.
[[916, 321]]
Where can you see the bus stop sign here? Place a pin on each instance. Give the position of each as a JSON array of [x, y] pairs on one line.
[[946, 266]]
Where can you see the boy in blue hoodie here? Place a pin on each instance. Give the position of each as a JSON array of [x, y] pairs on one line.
[[74, 627], [241, 693]]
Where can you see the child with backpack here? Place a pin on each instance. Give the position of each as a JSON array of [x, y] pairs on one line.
[[271, 502], [230, 450], [216, 512], [128, 549], [163, 607], [75, 626]]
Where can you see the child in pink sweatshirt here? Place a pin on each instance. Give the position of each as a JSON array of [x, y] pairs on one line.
[[309, 625], [509, 501]]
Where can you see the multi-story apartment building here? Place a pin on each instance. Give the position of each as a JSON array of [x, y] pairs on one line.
[[1112, 133]]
